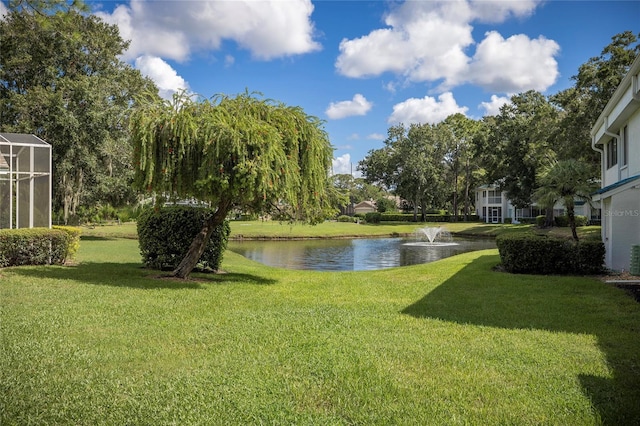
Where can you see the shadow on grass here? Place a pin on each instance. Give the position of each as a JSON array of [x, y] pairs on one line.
[[133, 275], [478, 295], [95, 238]]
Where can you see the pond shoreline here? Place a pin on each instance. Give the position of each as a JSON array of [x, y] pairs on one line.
[[352, 237]]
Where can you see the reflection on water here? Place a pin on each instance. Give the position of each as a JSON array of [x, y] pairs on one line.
[[351, 255]]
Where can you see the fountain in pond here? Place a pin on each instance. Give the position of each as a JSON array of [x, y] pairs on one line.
[[432, 236]]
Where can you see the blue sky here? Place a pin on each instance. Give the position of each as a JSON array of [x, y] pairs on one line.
[[366, 65]]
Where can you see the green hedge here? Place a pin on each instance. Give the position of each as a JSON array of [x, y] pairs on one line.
[[408, 217], [345, 218], [534, 254], [165, 234], [38, 246], [563, 221]]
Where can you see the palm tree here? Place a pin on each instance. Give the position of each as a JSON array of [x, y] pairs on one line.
[[565, 181]]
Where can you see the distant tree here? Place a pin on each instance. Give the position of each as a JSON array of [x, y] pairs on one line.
[[565, 180], [364, 190], [245, 152], [61, 79], [384, 205], [410, 165], [460, 158]]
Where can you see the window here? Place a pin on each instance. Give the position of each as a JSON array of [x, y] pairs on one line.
[[625, 146], [612, 153], [495, 197]]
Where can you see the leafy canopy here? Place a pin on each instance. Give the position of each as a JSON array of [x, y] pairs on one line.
[[242, 151]]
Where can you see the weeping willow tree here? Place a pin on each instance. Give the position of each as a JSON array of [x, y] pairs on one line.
[[245, 152]]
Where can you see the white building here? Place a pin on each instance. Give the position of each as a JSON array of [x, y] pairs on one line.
[[493, 206], [616, 136]]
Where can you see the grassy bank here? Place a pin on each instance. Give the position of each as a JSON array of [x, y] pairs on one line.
[[450, 342], [272, 229]]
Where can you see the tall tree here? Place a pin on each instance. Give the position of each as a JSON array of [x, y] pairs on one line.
[[242, 151], [61, 79], [594, 85], [518, 142], [565, 180]]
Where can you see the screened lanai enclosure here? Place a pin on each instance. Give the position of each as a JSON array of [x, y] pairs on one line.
[[25, 181]]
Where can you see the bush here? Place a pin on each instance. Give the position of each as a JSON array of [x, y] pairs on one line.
[[373, 217], [37, 246], [540, 221], [345, 218], [396, 217], [437, 218], [534, 254], [73, 240], [563, 221], [165, 235]]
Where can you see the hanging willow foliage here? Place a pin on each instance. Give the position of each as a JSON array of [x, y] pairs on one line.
[[241, 151]]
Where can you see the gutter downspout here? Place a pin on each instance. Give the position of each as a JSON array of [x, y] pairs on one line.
[[635, 89], [604, 232], [613, 135]]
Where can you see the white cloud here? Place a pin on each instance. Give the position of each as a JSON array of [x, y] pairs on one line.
[[173, 29], [376, 137], [516, 64], [493, 107], [427, 41], [425, 110], [3, 11], [342, 165], [500, 10], [162, 74], [359, 105]]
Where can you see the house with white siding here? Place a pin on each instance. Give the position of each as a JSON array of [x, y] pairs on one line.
[[616, 136], [493, 206]]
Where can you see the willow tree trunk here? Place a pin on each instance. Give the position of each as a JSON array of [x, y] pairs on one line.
[[201, 240]]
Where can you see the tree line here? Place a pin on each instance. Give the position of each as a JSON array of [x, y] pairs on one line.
[[436, 166]]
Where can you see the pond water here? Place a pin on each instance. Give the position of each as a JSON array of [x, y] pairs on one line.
[[353, 254]]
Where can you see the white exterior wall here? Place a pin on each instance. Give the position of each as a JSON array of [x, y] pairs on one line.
[[622, 217], [620, 203], [634, 144]]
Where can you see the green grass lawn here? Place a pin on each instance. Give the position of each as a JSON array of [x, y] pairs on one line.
[[446, 343], [274, 229]]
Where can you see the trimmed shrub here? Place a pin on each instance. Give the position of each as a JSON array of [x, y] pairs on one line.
[[561, 221], [73, 240], [508, 220], [540, 221], [437, 218], [345, 218], [535, 254], [37, 246], [397, 217], [373, 217], [165, 234]]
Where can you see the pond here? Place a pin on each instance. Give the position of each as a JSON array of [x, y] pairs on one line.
[[353, 254]]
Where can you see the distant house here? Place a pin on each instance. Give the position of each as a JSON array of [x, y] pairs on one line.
[[493, 206], [365, 207], [616, 136]]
